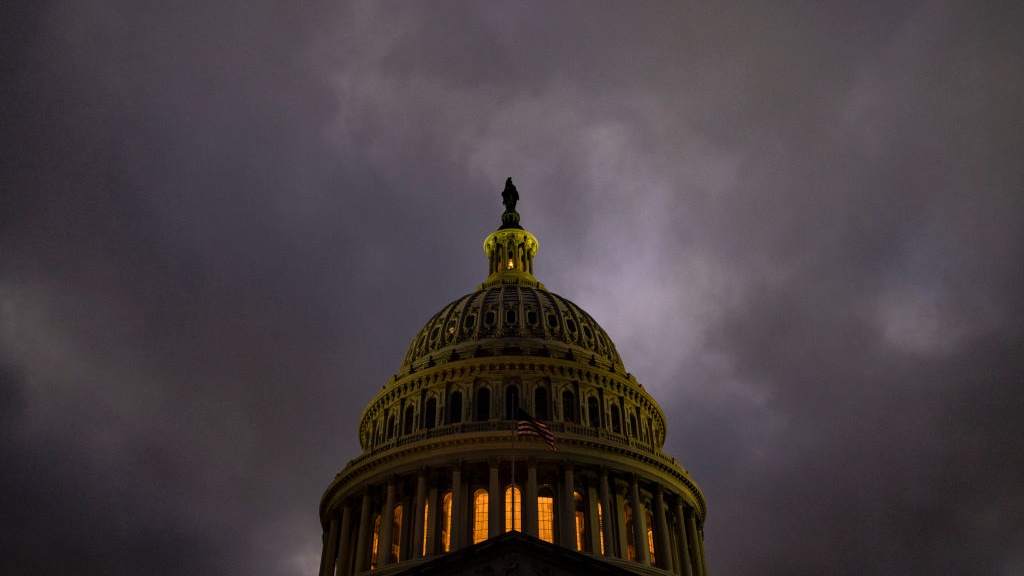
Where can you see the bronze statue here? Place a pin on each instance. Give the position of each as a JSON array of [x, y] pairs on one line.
[[509, 196]]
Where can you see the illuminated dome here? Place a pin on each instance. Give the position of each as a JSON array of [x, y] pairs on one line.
[[443, 478]]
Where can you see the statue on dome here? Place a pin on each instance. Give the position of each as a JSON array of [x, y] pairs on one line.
[[509, 196]]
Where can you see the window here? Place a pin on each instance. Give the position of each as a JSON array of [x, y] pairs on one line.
[[396, 534], [627, 514], [600, 525], [479, 516], [594, 412], [455, 408], [376, 542], [511, 402], [391, 427], [616, 420], [446, 522], [407, 427], [540, 404], [546, 515], [426, 517], [568, 407], [431, 416], [650, 538], [581, 522], [483, 404], [513, 509], [632, 425]]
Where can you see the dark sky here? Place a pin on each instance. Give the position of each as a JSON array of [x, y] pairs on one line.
[[222, 223]]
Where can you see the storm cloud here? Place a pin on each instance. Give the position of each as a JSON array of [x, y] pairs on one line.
[[221, 225]]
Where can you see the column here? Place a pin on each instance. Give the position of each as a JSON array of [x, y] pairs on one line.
[[417, 511], [387, 524], [458, 525], [691, 535], [433, 509], [607, 512], [643, 553], [593, 524], [330, 553], [683, 540], [530, 500], [661, 535], [495, 501], [567, 512], [344, 543], [700, 549], [362, 541]]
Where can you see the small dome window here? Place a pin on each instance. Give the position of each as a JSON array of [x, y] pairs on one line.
[[489, 318], [531, 317], [469, 321], [571, 324], [510, 316], [552, 321]]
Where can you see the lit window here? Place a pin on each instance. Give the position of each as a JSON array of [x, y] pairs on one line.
[[650, 538], [600, 525], [426, 516], [446, 522], [376, 542], [511, 264], [396, 534], [480, 516], [581, 521], [627, 514], [513, 511], [546, 518]]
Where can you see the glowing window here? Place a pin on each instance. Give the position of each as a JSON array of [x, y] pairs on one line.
[[426, 516], [581, 522], [479, 516], [650, 537], [376, 542], [627, 514], [513, 511], [600, 525], [446, 522], [546, 518], [396, 533]]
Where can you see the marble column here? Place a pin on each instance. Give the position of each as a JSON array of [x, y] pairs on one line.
[[330, 553], [362, 540], [700, 549], [567, 512], [417, 511], [387, 524], [643, 551], [606, 513], [694, 539], [458, 528], [495, 501], [684, 540], [661, 535], [345, 543], [530, 500]]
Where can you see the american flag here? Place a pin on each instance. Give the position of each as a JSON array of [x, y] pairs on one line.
[[529, 426]]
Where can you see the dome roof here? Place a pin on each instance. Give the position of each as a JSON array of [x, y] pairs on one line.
[[512, 318]]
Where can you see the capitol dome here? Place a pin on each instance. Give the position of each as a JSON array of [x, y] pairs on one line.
[[510, 426]]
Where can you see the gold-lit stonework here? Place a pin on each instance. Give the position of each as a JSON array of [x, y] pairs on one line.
[[436, 473]]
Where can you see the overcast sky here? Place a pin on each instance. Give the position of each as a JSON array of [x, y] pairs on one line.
[[222, 223]]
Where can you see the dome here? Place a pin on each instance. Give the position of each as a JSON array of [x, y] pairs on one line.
[[510, 319]]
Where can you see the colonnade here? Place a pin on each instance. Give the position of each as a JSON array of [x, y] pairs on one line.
[[597, 510]]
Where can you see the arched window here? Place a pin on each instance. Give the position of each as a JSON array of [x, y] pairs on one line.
[[376, 542], [650, 538], [616, 420], [540, 404], [627, 515], [581, 522], [546, 514], [431, 416], [513, 509], [446, 522], [483, 404], [426, 516], [594, 412], [632, 425], [407, 427], [568, 407], [600, 526], [455, 408], [479, 516], [511, 402], [391, 427], [396, 534]]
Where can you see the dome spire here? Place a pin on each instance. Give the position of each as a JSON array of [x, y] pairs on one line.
[[510, 249]]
